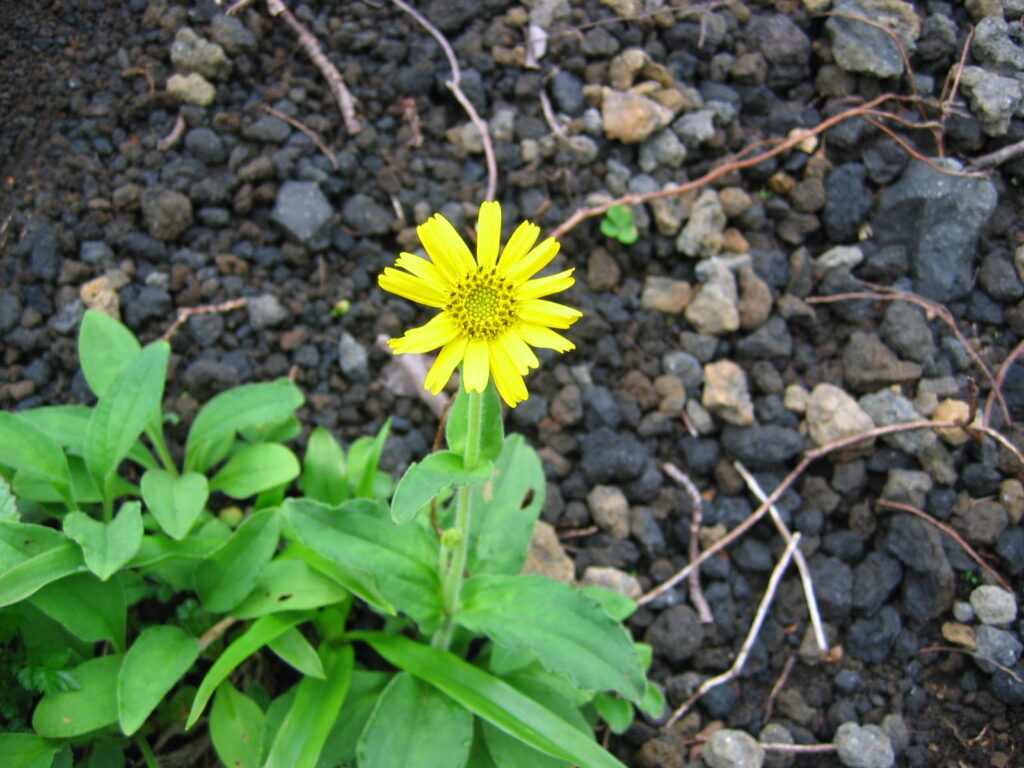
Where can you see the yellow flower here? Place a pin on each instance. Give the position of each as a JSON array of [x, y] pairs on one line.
[[492, 312]]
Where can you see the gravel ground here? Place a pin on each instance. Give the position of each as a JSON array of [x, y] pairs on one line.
[[141, 172]]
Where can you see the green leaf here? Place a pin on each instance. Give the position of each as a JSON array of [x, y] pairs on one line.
[[492, 699], [288, 584], [262, 631], [618, 713], [66, 714], [435, 731], [323, 473], [104, 346], [309, 720], [508, 752], [249, 405], [509, 505], [492, 432], [236, 728], [229, 574], [363, 459], [127, 404], [359, 533], [363, 692], [157, 660], [431, 477], [68, 425], [621, 215], [88, 608], [176, 502], [107, 546], [628, 235], [27, 577], [356, 580], [295, 650], [653, 702], [617, 605], [608, 227], [569, 632], [25, 448], [256, 468], [26, 750], [8, 503]]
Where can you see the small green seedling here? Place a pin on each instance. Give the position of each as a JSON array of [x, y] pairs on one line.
[[618, 224], [341, 308]]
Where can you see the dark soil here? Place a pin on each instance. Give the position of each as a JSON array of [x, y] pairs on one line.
[[79, 134]]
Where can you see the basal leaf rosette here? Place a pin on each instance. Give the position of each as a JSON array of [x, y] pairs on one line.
[[493, 310]]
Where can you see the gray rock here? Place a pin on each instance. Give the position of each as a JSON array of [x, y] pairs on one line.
[[907, 486], [993, 605], [906, 330], [662, 150], [874, 579], [887, 408], [206, 145], [686, 367], [993, 98], [611, 457], [865, 48], [69, 317], [695, 128], [366, 216], [998, 646], [567, 93], [192, 53], [871, 639], [771, 340], [702, 235], [610, 509], [10, 310], [167, 213], [728, 748], [776, 733], [265, 311], [676, 633], [833, 586], [353, 358], [94, 252], [231, 34], [714, 310], [999, 278], [896, 729], [833, 415], [847, 200], [870, 365], [205, 378], [937, 218], [983, 522], [863, 747], [762, 446], [191, 89], [301, 209], [43, 251], [929, 583], [994, 49], [268, 128], [784, 46]]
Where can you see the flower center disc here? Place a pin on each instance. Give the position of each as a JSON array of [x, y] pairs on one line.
[[482, 304]]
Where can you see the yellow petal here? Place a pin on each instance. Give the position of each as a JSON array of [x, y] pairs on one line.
[[410, 287], [534, 261], [545, 286], [488, 234], [545, 338], [507, 380], [548, 313], [475, 366], [519, 351], [435, 333], [422, 269], [445, 247], [443, 368], [518, 245]]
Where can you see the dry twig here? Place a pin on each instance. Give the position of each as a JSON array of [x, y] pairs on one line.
[[697, 503], [309, 43], [210, 636], [949, 532], [1001, 374], [950, 649], [780, 683], [184, 313], [146, 74], [798, 557], [455, 86], [171, 138], [748, 643], [313, 135], [997, 158]]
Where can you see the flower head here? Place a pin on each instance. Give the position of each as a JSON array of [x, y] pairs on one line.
[[492, 308]]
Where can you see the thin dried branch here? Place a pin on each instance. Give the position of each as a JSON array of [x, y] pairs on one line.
[[145, 73], [799, 749], [909, 148], [972, 654], [313, 135], [237, 6], [550, 119], [171, 138], [210, 636], [184, 313], [887, 293], [949, 531], [997, 158], [316, 55], [736, 162], [798, 557], [455, 86], [780, 683], [1001, 374], [748, 643], [697, 503]]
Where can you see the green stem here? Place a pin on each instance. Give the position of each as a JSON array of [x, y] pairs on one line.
[[451, 588], [156, 437], [147, 753]]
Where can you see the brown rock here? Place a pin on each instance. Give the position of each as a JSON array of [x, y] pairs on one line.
[[630, 117], [755, 299], [546, 555], [665, 294], [603, 271], [734, 241], [100, 295]]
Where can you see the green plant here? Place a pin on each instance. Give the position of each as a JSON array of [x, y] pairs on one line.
[[618, 225]]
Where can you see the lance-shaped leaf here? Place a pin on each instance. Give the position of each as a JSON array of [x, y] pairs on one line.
[[66, 714], [229, 574], [256, 468], [104, 346], [236, 728], [424, 480], [157, 660], [31, 451], [88, 608], [323, 469], [492, 425]]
